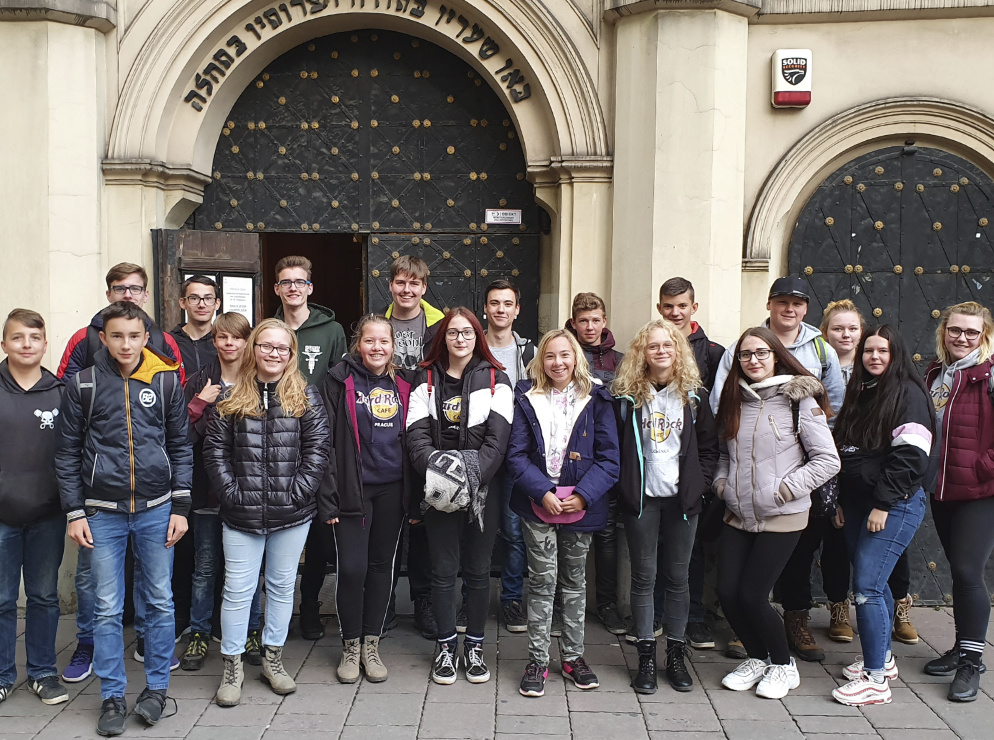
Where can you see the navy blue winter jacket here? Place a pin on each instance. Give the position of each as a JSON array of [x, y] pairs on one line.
[[591, 463]]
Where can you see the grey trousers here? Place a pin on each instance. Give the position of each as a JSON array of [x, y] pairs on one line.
[[555, 555], [662, 524]]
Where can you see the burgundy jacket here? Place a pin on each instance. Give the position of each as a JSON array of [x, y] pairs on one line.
[[966, 458]]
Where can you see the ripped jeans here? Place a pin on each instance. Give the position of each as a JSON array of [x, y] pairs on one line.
[[874, 555]]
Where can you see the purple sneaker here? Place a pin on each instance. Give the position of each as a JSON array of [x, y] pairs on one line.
[[80, 664]]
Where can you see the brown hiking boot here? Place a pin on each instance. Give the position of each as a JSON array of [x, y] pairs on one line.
[[839, 628], [904, 631], [799, 638]]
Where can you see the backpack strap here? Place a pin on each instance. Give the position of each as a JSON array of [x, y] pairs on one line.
[[822, 355], [167, 384], [86, 383]]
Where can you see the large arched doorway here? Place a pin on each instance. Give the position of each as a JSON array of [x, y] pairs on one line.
[[903, 231], [358, 147]]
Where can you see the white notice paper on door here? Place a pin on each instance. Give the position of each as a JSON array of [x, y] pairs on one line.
[[236, 293]]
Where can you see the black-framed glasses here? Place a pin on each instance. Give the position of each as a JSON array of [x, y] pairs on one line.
[[760, 354], [956, 332], [122, 289], [268, 349], [299, 283], [207, 300], [467, 333]]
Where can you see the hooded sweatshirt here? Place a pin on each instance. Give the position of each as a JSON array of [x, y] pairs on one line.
[[805, 350], [379, 421], [321, 342], [603, 358], [707, 353], [197, 353], [29, 490]]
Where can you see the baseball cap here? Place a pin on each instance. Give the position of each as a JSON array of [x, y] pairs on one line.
[[795, 286]]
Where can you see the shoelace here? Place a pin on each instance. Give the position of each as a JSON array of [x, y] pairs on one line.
[[749, 666], [904, 611], [840, 612], [475, 656], [802, 636], [445, 660], [231, 671], [581, 668], [776, 672], [533, 672], [675, 656], [373, 656], [647, 663], [164, 700]]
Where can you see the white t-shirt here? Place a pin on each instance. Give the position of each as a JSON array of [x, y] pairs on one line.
[[508, 357], [662, 427]]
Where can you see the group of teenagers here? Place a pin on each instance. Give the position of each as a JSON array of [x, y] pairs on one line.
[[432, 429]]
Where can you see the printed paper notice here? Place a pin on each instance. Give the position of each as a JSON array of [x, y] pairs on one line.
[[236, 293]]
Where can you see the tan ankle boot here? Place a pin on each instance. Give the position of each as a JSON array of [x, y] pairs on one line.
[[371, 663], [229, 693], [799, 638], [274, 672], [348, 667], [904, 631], [839, 628]]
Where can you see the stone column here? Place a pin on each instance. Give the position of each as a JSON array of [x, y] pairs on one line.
[[679, 161]]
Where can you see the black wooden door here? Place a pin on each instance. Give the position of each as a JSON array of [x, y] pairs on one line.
[[376, 132], [903, 232]]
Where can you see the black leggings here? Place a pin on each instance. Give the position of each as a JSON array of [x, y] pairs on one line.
[[365, 550], [748, 565], [966, 531], [319, 550]]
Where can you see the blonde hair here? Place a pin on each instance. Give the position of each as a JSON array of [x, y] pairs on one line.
[[372, 318], [633, 377], [582, 376], [969, 308], [291, 390], [842, 306]]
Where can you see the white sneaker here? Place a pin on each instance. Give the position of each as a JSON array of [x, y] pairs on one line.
[[854, 671], [863, 692], [778, 680], [747, 675]]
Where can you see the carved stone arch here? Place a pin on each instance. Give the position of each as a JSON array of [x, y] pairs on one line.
[[930, 122]]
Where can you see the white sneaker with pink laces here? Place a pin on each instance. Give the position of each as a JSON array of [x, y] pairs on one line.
[[863, 692], [853, 671]]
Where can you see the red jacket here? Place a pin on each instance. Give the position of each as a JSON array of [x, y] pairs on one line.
[[966, 457]]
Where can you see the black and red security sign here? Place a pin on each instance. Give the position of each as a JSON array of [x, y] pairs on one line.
[[791, 78]]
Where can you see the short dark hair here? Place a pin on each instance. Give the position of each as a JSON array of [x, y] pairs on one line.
[[122, 269], [676, 286], [502, 285], [291, 261], [124, 310], [587, 302], [199, 280], [27, 317]]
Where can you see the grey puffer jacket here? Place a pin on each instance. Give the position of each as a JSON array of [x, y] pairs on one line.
[[762, 474]]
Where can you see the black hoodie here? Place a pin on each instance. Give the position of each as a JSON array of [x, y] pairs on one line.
[[707, 353], [196, 353], [29, 490]]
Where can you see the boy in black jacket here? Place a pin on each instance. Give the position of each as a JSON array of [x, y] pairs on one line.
[[32, 527], [124, 464]]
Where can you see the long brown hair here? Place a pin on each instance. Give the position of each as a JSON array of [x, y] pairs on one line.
[[730, 408], [439, 351], [291, 389]]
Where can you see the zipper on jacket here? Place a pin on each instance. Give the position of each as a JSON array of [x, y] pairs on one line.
[[776, 430], [93, 474], [752, 460], [265, 457], [131, 440], [169, 467]]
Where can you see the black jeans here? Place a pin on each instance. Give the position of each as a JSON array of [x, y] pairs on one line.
[[318, 552], [365, 550], [748, 565], [695, 581], [453, 541], [966, 531], [605, 544]]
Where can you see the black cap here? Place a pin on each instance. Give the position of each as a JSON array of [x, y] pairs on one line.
[[795, 286]]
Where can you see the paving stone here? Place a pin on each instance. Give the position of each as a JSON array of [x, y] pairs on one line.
[[603, 701], [19, 725], [316, 699], [746, 705], [687, 736], [610, 678], [506, 736], [548, 706], [532, 725], [971, 719], [316, 734], [600, 725], [461, 692], [599, 656], [665, 695], [244, 715], [824, 706], [378, 732], [407, 675], [295, 724], [834, 725], [230, 733], [441, 722], [386, 709], [744, 729], [22, 703], [681, 717], [835, 736], [900, 715], [906, 734]]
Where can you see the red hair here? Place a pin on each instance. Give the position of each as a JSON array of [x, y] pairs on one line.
[[439, 352]]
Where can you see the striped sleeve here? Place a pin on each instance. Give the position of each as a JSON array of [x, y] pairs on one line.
[[906, 460]]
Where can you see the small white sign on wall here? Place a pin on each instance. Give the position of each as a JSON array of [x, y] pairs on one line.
[[791, 78], [236, 293], [505, 216]]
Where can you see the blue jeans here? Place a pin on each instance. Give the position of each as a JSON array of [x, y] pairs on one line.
[[37, 549], [873, 557], [111, 531], [242, 560], [85, 598], [208, 562], [512, 575]]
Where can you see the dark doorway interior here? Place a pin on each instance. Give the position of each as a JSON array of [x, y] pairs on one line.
[[337, 273]]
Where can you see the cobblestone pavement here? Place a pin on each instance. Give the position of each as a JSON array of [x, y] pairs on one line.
[[408, 705]]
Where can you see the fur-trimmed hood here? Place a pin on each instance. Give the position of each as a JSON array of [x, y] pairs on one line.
[[794, 387]]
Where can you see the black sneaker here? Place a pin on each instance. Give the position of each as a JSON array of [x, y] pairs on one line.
[[150, 705], [310, 625], [947, 663], [476, 669], [253, 648], [195, 654], [966, 684], [580, 674], [612, 620], [49, 689], [461, 620], [514, 618], [533, 682], [4, 692], [113, 712], [699, 636], [424, 617], [445, 666]]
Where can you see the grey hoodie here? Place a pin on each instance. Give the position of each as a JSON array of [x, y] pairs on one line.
[[805, 351]]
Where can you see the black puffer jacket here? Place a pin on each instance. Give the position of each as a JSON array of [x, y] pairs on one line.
[[266, 470]]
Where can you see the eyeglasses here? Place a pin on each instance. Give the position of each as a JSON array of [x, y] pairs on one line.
[[294, 283], [122, 289], [456, 333], [268, 349], [760, 354], [207, 300], [955, 333]]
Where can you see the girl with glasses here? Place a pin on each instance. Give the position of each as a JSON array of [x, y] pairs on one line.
[[265, 452], [458, 426], [766, 473], [963, 494]]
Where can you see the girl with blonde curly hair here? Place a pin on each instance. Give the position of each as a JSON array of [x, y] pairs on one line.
[[669, 452]]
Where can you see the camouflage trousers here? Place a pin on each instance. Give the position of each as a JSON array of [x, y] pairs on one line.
[[555, 555]]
